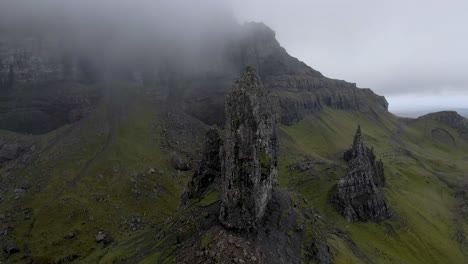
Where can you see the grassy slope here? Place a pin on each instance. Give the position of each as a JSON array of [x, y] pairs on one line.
[[423, 229], [118, 172], [422, 178]]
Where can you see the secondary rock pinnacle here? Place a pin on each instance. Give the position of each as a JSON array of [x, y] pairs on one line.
[[358, 195]]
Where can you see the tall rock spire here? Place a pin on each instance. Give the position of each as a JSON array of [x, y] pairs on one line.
[[358, 195], [249, 162]]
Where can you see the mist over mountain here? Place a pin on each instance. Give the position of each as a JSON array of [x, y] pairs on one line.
[[173, 132], [124, 36]]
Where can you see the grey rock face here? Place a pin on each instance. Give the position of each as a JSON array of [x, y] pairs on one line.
[[210, 166], [249, 162], [358, 195]]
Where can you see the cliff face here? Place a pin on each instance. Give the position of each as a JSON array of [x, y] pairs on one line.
[[249, 161], [295, 88], [358, 195], [210, 166], [36, 59]]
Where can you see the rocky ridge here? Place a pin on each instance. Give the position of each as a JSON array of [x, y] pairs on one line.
[[450, 118], [359, 195]]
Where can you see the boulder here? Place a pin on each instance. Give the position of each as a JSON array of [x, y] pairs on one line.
[[100, 237]]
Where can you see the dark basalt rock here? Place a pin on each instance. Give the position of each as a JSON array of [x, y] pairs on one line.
[[249, 159], [210, 166], [358, 195]]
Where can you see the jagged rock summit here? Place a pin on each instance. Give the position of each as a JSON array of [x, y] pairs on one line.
[[249, 158], [358, 195]]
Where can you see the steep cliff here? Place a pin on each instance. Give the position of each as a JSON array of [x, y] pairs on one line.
[[209, 168], [358, 195], [249, 163]]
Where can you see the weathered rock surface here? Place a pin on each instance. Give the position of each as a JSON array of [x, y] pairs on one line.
[[249, 159], [210, 166], [358, 195]]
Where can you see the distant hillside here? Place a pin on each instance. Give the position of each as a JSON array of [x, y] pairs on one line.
[[418, 113]]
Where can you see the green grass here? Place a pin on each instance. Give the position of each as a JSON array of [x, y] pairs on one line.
[[423, 229], [210, 198], [422, 175], [120, 168]]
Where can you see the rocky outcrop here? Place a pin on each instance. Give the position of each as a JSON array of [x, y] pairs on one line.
[[359, 195], [210, 166], [249, 159]]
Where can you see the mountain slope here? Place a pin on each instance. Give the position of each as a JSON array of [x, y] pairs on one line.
[[96, 175], [423, 178], [106, 171]]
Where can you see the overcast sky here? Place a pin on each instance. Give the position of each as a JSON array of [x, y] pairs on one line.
[[412, 51]]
